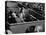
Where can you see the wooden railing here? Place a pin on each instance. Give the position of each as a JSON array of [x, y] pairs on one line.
[[32, 22]]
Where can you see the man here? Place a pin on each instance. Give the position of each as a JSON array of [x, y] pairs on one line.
[[30, 29]]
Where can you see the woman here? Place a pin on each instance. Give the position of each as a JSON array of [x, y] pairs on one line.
[[39, 28]]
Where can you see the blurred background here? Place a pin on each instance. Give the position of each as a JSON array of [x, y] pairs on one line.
[[20, 16]]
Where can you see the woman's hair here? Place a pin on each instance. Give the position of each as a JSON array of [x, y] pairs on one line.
[[39, 28]]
